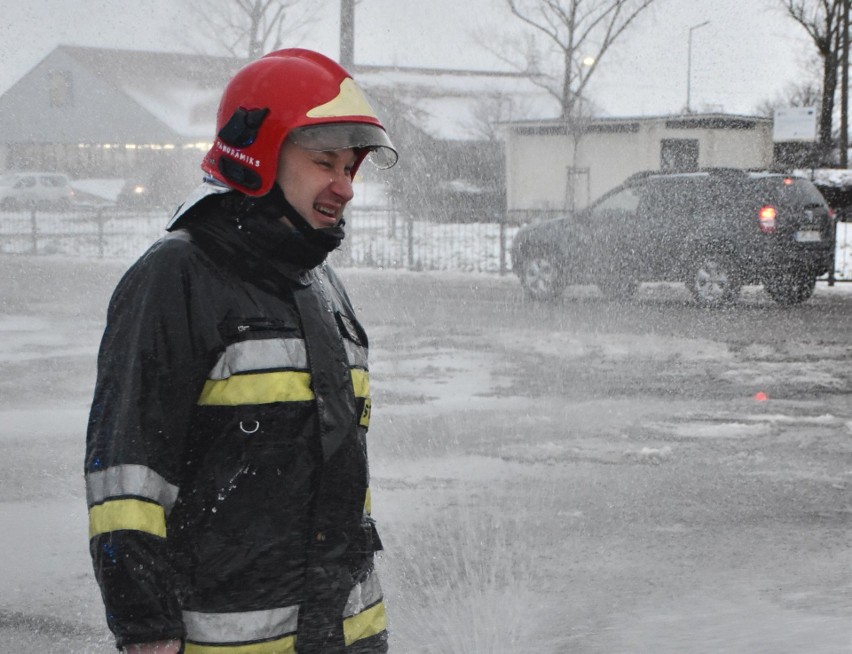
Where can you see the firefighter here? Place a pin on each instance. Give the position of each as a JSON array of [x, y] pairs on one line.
[[226, 460]]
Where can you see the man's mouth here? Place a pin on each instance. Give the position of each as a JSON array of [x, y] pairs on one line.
[[326, 211], [327, 215]]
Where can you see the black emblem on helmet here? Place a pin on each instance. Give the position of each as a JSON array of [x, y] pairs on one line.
[[241, 129]]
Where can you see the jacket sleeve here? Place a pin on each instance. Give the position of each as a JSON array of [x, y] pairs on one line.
[[154, 356]]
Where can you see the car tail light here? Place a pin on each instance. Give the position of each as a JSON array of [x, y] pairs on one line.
[[766, 216]]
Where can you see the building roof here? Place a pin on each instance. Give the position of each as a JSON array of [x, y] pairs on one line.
[[632, 123], [96, 95], [99, 95], [451, 105]]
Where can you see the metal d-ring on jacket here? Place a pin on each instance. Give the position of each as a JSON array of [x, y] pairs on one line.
[[226, 463]]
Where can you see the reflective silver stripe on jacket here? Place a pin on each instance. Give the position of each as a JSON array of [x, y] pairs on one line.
[[275, 354], [265, 354], [357, 354], [130, 480], [363, 595], [240, 627]]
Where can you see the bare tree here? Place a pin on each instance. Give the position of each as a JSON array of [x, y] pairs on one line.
[[801, 94], [823, 21], [580, 32], [247, 29], [491, 109]]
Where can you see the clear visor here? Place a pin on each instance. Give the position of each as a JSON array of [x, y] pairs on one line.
[[340, 136]]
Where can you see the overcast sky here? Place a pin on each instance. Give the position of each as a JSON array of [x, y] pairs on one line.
[[748, 52]]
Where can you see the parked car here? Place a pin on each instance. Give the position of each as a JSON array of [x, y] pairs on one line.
[[161, 188], [714, 229], [28, 189]]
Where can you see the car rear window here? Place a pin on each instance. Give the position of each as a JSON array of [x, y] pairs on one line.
[[790, 190]]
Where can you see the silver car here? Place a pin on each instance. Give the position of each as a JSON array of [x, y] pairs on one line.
[[35, 189]]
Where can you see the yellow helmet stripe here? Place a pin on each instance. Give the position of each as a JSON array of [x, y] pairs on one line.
[[349, 102]]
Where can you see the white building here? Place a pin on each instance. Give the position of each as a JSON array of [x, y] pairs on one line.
[[550, 168]]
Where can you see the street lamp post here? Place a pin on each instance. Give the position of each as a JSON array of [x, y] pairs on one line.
[[689, 67]]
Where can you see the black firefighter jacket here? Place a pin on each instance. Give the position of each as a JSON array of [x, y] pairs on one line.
[[226, 463]]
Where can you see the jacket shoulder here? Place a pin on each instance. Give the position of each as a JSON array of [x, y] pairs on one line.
[[173, 250], [165, 268]]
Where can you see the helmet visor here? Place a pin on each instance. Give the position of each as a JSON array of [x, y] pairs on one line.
[[340, 136]]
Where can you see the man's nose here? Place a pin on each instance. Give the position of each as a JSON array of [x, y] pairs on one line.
[[341, 185]]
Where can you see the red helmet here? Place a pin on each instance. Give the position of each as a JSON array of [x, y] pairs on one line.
[[296, 93]]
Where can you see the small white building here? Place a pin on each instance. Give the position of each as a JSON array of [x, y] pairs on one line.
[[551, 168]]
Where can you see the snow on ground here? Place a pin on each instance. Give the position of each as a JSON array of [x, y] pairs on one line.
[[530, 498]]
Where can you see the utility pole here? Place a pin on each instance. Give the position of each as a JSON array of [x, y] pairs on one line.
[[844, 86], [689, 66], [347, 33]]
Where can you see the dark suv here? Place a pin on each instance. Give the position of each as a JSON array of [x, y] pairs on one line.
[[715, 230]]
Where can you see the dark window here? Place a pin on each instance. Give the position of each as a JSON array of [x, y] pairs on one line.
[[790, 190], [623, 200], [54, 181], [60, 88], [679, 154]]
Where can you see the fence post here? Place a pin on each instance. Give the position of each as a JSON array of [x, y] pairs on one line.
[[34, 229], [409, 235], [502, 247], [99, 218]]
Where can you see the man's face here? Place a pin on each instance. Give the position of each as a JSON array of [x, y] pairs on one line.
[[317, 184]]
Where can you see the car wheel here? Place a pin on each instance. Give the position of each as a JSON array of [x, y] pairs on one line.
[[714, 281], [541, 275], [791, 287]]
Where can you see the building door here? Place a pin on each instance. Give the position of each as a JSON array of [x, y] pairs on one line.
[[679, 155]]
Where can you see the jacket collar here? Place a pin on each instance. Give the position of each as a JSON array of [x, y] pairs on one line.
[[207, 188]]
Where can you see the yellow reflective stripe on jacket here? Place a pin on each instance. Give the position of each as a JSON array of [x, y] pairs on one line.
[[126, 480], [364, 418], [361, 382], [364, 613], [285, 645], [270, 631], [136, 515], [368, 501], [260, 388], [365, 624], [268, 387]]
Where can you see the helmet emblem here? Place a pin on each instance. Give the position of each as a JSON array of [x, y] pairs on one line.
[[241, 129], [349, 102]]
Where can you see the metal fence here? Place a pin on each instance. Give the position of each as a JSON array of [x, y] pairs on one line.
[[375, 239]]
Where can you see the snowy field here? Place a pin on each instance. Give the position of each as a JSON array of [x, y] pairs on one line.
[[583, 476]]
